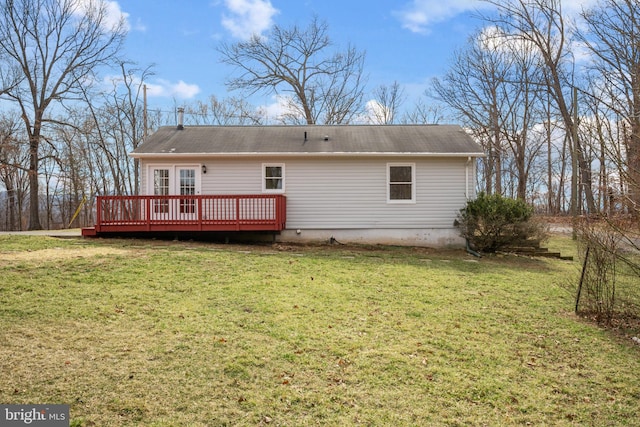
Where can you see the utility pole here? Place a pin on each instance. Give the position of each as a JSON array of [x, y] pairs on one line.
[[144, 112]]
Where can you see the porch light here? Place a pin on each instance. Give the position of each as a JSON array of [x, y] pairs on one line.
[[204, 168]]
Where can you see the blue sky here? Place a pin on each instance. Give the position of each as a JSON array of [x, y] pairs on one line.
[[408, 41]]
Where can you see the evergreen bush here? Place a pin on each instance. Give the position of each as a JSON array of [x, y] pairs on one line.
[[491, 223]]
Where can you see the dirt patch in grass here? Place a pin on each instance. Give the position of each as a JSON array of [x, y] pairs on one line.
[[55, 254]]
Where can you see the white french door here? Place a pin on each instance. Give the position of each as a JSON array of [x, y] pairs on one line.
[[182, 180], [186, 177]]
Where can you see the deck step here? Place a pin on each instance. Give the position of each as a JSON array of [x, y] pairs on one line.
[[89, 232]]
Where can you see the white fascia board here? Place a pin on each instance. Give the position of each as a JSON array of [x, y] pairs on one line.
[[331, 154]]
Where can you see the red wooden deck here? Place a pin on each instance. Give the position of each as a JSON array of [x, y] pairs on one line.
[[135, 214]]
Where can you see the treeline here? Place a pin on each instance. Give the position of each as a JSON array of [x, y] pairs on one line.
[[554, 101]]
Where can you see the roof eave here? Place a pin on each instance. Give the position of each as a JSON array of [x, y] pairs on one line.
[[290, 154]]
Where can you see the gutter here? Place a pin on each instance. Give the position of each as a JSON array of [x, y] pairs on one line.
[[173, 155]]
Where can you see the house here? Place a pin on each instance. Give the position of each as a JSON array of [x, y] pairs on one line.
[[395, 184]]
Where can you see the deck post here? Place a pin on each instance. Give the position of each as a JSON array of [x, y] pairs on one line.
[[199, 201], [99, 214], [148, 212], [237, 213]]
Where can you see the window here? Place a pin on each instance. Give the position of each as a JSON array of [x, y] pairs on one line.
[[401, 183], [161, 188], [273, 178]]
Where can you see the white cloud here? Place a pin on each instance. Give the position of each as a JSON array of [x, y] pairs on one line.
[[140, 26], [420, 14], [277, 109], [492, 38], [167, 89], [375, 112], [574, 7], [160, 88], [114, 14], [248, 17]]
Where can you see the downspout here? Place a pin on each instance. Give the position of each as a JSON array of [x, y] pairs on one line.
[[471, 251]]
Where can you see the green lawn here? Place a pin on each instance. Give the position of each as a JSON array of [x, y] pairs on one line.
[[135, 332]]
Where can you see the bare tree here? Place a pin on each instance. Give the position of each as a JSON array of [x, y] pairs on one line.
[[494, 86], [541, 24], [121, 121], [525, 110], [425, 113], [612, 35], [322, 86], [472, 88], [57, 44], [12, 158], [612, 247], [223, 112], [10, 75], [386, 102]]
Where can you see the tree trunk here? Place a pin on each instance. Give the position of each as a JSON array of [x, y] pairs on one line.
[[586, 184], [488, 171], [34, 190], [523, 176], [14, 218], [550, 209], [561, 196], [633, 162], [498, 170]]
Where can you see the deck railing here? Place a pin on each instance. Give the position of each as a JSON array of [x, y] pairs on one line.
[[264, 212]]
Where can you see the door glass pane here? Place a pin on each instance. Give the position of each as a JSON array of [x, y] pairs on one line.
[[161, 188], [187, 182], [161, 182], [187, 188]]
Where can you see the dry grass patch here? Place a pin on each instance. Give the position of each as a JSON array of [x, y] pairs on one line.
[[60, 254]]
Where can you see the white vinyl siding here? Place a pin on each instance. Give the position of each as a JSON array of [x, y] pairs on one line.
[[346, 193], [349, 192]]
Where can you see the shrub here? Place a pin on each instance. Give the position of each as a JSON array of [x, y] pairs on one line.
[[492, 222], [608, 288]]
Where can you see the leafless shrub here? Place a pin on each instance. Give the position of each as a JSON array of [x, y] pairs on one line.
[[611, 268]]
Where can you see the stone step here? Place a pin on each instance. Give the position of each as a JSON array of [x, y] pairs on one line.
[[537, 252]]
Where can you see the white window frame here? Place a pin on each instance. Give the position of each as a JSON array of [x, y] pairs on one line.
[[413, 184], [264, 178]]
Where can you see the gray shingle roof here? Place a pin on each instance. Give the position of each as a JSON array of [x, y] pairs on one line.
[[425, 140]]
